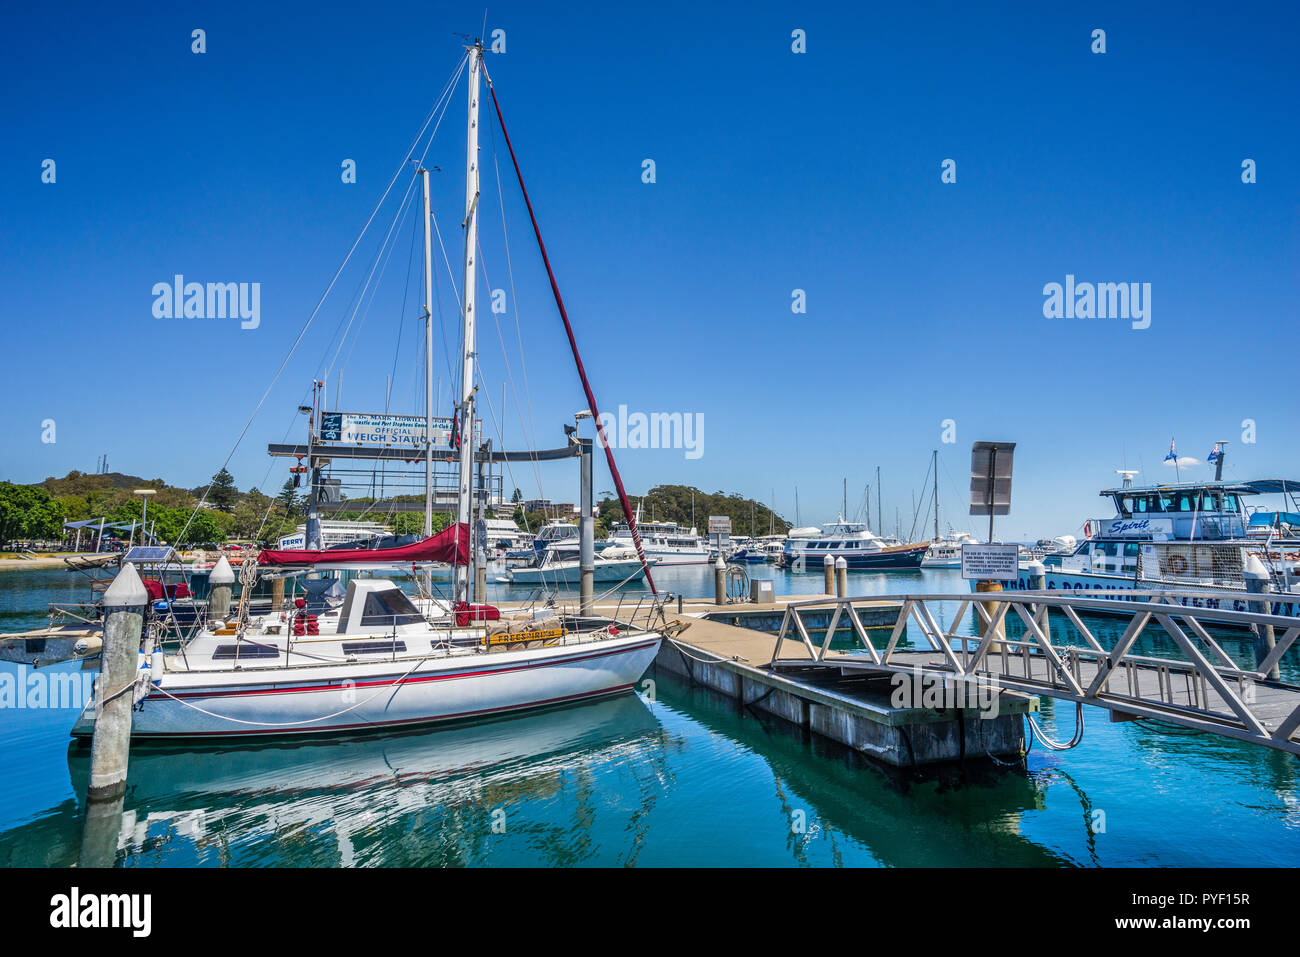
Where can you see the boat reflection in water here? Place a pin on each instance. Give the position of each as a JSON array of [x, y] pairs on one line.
[[429, 798]]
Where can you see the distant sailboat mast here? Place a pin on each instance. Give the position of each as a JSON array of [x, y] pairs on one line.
[[935, 468]]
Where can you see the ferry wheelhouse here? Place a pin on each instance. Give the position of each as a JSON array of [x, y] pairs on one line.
[[666, 542], [1191, 535]]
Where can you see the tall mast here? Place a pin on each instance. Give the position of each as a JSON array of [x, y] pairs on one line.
[[428, 358], [464, 503], [935, 467]]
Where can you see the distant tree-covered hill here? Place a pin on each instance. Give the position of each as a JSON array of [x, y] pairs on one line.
[[672, 503]]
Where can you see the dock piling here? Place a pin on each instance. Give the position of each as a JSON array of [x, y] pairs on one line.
[[124, 603], [1038, 576], [828, 572], [992, 607], [719, 582], [841, 578]]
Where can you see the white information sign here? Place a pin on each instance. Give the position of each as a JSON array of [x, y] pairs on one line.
[[385, 431], [990, 562], [719, 524]]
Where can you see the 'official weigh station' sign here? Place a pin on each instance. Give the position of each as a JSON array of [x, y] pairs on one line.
[[990, 562], [386, 431]]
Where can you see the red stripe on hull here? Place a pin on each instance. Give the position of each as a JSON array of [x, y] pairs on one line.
[[400, 680]]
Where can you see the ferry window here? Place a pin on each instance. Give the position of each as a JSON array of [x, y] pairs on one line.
[[833, 544], [1229, 502], [1186, 502], [390, 607], [1130, 549], [1142, 504], [1126, 506], [1166, 504]]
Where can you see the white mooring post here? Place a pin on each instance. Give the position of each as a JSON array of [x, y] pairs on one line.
[[719, 581], [1038, 578], [841, 578], [124, 603], [222, 582], [828, 574]]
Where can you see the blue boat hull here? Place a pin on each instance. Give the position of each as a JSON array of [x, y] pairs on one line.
[[877, 561]]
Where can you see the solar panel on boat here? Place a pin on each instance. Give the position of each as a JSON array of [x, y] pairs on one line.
[[373, 647], [241, 651], [151, 554]]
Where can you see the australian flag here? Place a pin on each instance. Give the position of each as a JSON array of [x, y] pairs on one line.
[[1172, 456], [1215, 454]]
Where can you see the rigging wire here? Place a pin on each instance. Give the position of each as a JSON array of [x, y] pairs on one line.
[[573, 345], [316, 309]]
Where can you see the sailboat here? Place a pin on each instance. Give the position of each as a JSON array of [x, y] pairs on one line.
[[377, 658]]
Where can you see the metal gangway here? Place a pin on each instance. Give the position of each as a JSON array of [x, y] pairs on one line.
[[1205, 691]]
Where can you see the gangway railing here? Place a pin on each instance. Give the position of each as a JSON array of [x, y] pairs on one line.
[[1206, 691]]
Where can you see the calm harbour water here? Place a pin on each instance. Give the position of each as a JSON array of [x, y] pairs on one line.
[[683, 780]]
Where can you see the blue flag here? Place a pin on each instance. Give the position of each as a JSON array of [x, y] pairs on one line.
[[1172, 456]]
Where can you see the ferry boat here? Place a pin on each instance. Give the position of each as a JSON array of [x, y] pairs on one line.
[[666, 542], [1194, 536], [853, 542]]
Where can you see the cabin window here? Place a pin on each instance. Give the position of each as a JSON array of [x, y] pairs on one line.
[[1229, 502], [391, 607], [373, 647], [1131, 549], [247, 650], [1125, 506]]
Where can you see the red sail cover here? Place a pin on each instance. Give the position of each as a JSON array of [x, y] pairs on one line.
[[450, 545]]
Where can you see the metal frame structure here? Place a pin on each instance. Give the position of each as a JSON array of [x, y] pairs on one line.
[[1207, 692]]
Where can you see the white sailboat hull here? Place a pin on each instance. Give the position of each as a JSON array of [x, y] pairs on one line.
[[333, 699]]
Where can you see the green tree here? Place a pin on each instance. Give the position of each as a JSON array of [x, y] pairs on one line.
[[28, 511], [223, 493], [289, 499]]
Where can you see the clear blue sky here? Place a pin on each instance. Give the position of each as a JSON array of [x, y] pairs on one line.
[[775, 171]]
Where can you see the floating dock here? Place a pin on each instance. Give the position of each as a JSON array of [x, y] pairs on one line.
[[729, 649]]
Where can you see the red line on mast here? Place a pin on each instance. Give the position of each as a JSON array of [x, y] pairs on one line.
[[573, 345]]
